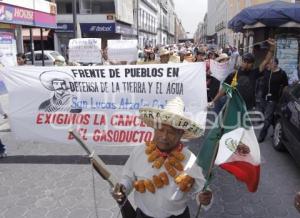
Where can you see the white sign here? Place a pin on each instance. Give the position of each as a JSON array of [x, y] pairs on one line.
[[219, 70], [122, 50], [287, 54], [8, 49], [102, 103], [85, 50]]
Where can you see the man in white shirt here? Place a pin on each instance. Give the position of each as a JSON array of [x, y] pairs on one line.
[[164, 173]]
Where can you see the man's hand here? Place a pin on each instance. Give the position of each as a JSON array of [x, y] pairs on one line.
[[297, 201], [211, 104], [271, 42], [205, 197], [118, 192]]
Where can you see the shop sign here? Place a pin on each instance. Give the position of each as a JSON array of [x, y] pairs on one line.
[[9, 14], [98, 27], [64, 28]]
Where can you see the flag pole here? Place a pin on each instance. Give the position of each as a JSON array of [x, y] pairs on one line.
[[215, 155]]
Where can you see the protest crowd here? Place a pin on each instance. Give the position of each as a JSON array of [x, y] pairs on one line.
[[260, 84], [118, 108]]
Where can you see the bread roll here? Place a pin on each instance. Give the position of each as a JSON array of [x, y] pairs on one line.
[[164, 178], [157, 182], [153, 156], [149, 186], [158, 162]]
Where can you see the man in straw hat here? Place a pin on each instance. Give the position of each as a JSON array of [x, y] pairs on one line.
[[164, 55], [163, 172]]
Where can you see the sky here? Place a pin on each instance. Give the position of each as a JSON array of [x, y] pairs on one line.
[[191, 12]]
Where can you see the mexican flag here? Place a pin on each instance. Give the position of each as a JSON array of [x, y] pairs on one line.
[[232, 144]]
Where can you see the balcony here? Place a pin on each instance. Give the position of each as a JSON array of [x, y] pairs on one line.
[[220, 26]]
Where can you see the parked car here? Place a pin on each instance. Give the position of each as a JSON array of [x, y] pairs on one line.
[[287, 122], [49, 57]]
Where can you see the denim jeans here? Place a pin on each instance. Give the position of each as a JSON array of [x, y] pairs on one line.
[[269, 110], [2, 147]]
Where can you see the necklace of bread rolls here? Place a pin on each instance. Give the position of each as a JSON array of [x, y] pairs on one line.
[[172, 163]]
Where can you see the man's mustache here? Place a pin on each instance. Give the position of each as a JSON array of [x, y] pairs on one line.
[[58, 89]]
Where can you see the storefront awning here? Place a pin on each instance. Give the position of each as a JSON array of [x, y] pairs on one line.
[[36, 34], [271, 14]]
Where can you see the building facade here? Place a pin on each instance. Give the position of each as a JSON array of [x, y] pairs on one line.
[[179, 30], [105, 19], [16, 15], [152, 22], [146, 19]]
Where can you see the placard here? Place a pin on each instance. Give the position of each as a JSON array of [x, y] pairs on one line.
[[85, 50], [122, 50]]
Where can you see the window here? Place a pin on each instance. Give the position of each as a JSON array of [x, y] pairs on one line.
[[54, 54], [143, 19], [100, 7], [38, 57], [65, 7]]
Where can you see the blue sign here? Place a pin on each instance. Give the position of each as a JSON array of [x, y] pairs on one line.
[[64, 28], [98, 27]]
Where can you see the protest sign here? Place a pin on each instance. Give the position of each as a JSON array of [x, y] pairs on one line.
[[287, 52], [122, 50], [8, 53], [85, 50], [8, 49], [219, 70], [102, 103]]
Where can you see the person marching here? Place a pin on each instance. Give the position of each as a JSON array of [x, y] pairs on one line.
[[163, 172], [245, 79], [274, 81]]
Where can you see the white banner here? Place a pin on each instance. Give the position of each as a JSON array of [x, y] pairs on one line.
[[219, 70], [102, 103], [122, 50], [85, 50]]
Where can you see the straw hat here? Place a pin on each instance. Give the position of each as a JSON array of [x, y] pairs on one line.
[[189, 58], [59, 61], [174, 59], [222, 57], [173, 115], [163, 51]]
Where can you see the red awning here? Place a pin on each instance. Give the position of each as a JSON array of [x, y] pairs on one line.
[[36, 34]]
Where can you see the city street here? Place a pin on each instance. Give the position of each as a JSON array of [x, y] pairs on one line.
[[123, 72], [56, 180]]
